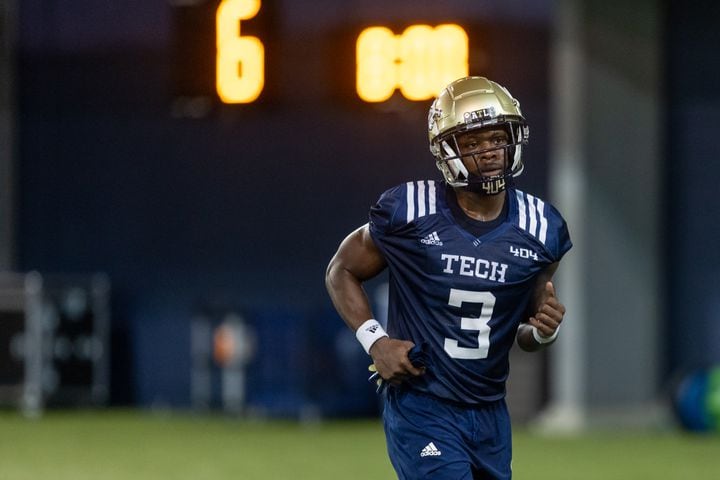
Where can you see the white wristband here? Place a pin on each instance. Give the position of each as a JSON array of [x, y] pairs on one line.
[[368, 333], [540, 339]]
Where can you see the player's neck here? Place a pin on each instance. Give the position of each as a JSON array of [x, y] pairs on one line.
[[484, 208]]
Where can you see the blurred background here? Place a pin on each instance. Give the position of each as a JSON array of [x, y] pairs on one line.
[[163, 247]]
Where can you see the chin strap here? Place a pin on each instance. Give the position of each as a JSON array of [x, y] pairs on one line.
[[490, 186]]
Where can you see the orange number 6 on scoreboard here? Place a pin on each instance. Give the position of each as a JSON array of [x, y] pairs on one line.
[[240, 69]]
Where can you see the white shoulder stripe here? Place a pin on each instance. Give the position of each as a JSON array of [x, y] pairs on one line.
[[431, 197], [410, 202], [543, 221], [420, 199], [531, 215], [521, 210]]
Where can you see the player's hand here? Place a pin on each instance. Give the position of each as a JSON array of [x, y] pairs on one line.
[[550, 312], [390, 357]]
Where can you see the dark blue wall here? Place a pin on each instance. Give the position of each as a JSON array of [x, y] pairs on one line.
[[693, 170]]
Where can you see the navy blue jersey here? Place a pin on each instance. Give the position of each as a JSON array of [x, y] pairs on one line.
[[464, 295]]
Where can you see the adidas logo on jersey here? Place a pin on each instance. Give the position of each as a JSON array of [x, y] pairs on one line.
[[430, 451], [432, 239]]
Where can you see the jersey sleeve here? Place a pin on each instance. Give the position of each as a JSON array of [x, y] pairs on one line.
[[558, 242], [401, 206], [389, 212], [542, 221]]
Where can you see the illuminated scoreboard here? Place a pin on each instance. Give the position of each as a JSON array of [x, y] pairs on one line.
[[412, 60]]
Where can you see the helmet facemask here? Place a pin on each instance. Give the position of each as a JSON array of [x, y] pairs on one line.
[[452, 163]]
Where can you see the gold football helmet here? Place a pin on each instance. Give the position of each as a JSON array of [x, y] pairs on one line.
[[470, 103]]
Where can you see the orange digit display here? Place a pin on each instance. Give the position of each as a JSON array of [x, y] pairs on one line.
[[240, 69], [419, 62]]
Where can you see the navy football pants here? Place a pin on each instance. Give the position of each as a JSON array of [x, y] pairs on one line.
[[431, 439]]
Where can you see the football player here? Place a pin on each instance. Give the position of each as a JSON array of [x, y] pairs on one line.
[[471, 260]]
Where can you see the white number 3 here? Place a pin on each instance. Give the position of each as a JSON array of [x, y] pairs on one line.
[[487, 299]]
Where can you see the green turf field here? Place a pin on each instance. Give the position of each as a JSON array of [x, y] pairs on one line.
[[133, 445]]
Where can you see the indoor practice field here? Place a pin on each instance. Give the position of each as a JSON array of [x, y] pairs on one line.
[[137, 445]]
